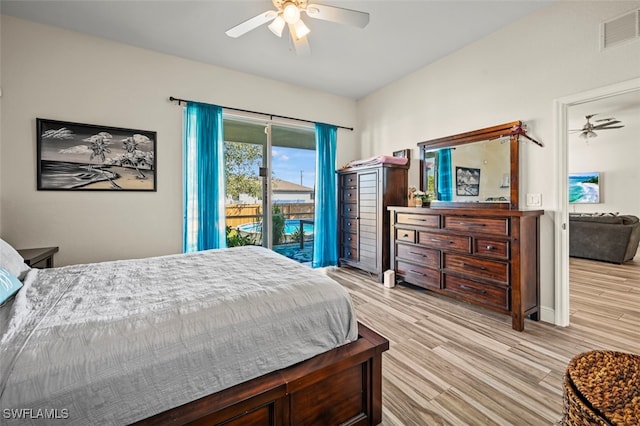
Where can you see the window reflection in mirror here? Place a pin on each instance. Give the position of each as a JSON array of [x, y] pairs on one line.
[[473, 172]]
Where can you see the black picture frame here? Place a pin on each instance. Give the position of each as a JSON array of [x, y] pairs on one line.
[[467, 181], [89, 157]]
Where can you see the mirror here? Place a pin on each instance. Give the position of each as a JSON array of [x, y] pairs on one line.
[[472, 169]]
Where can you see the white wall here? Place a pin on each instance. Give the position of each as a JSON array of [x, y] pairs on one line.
[[62, 75], [513, 74]]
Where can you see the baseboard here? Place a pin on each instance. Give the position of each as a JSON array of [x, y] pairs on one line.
[[547, 314]]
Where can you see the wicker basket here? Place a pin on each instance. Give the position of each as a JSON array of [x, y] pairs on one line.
[[602, 388]]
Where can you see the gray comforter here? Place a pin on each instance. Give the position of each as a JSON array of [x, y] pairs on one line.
[[115, 342]]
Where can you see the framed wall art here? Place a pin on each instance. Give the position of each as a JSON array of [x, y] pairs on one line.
[[584, 187], [74, 156], [467, 181]]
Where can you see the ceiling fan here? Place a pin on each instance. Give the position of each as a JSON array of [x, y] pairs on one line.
[[288, 13], [587, 130]]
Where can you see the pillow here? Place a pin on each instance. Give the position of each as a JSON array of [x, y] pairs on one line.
[[9, 285], [11, 260]]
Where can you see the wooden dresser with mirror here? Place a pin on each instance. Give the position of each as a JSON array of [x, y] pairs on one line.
[[473, 243]]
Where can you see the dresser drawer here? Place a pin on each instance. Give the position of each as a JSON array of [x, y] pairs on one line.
[[407, 235], [348, 239], [481, 268], [491, 248], [496, 226], [349, 225], [349, 210], [418, 275], [477, 292], [423, 255], [427, 220], [350, 180], [350, 195], [349, 252], [444, 241]]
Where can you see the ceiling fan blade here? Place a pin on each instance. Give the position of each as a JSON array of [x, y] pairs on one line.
[[338, 14], [301, 45], [251, 24], [600, 126], [607, 128], [606, 119]]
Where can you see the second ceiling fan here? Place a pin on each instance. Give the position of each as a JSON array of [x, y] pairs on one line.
[[289, 13], [587, 130]]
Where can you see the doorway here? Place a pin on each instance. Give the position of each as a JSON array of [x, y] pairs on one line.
[[270, 175], [562, 107]]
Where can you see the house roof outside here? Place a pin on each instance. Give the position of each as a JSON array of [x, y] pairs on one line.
[[279, 185]]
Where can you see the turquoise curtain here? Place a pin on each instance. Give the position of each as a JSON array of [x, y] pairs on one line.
[[325, 240], [204, 192], [445, 177]]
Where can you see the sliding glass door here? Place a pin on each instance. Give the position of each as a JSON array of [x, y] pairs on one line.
[[270, 173]]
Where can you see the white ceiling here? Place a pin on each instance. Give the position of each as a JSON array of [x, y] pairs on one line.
[[402, 36]]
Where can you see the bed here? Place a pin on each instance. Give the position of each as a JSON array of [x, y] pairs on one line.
[[232, 336]]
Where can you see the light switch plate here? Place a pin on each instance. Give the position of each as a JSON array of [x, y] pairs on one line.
[[534, 200]]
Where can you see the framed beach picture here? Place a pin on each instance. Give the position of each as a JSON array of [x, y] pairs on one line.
[[584, 187], [74, 156], [467, 181]]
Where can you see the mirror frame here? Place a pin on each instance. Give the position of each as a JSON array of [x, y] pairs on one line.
[[479, 135]]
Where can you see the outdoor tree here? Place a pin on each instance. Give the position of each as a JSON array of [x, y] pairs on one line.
[[242, 161]]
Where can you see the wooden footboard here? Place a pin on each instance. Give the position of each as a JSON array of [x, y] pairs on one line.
[[341, 386]]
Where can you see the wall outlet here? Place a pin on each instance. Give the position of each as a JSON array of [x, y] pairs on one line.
[[534, 200]]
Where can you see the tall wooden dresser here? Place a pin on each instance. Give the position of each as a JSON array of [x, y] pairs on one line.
[[364, 193], [482, 256]]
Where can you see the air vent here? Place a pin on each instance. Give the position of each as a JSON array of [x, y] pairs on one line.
[[621, 29]]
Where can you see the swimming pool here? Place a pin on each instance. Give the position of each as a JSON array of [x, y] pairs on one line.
[[290, 226]]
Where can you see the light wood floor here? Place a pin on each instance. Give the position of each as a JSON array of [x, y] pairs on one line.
[[450, 363]]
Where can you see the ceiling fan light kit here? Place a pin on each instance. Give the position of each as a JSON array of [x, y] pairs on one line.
[[277, 26], [289, 13]]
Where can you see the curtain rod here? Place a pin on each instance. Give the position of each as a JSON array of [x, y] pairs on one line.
[[180, 101]]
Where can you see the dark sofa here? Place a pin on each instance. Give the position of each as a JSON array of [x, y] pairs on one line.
[[607, 238]]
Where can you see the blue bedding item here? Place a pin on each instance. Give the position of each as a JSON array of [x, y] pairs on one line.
[[9, 285]]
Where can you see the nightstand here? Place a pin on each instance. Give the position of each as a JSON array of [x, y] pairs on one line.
[[41, 257]]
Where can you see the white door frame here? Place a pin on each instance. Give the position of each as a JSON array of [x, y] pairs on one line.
[[561, 107]]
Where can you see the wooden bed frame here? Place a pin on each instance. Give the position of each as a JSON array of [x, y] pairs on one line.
[[341, 386]]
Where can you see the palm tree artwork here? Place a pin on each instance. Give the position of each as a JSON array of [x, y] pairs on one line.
[[91, 157], [134, 156], [99, 147]]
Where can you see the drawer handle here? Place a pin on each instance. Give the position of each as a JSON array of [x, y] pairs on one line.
[[437, 240], [405, 235], [417, 272], [475, 290], [490, 248], [349, 195], [349, 209], [349, 239], [471, 224], [417, 220], [468, 266], [418, 254]]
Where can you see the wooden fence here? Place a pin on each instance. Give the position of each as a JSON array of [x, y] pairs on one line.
[[237, 214]]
